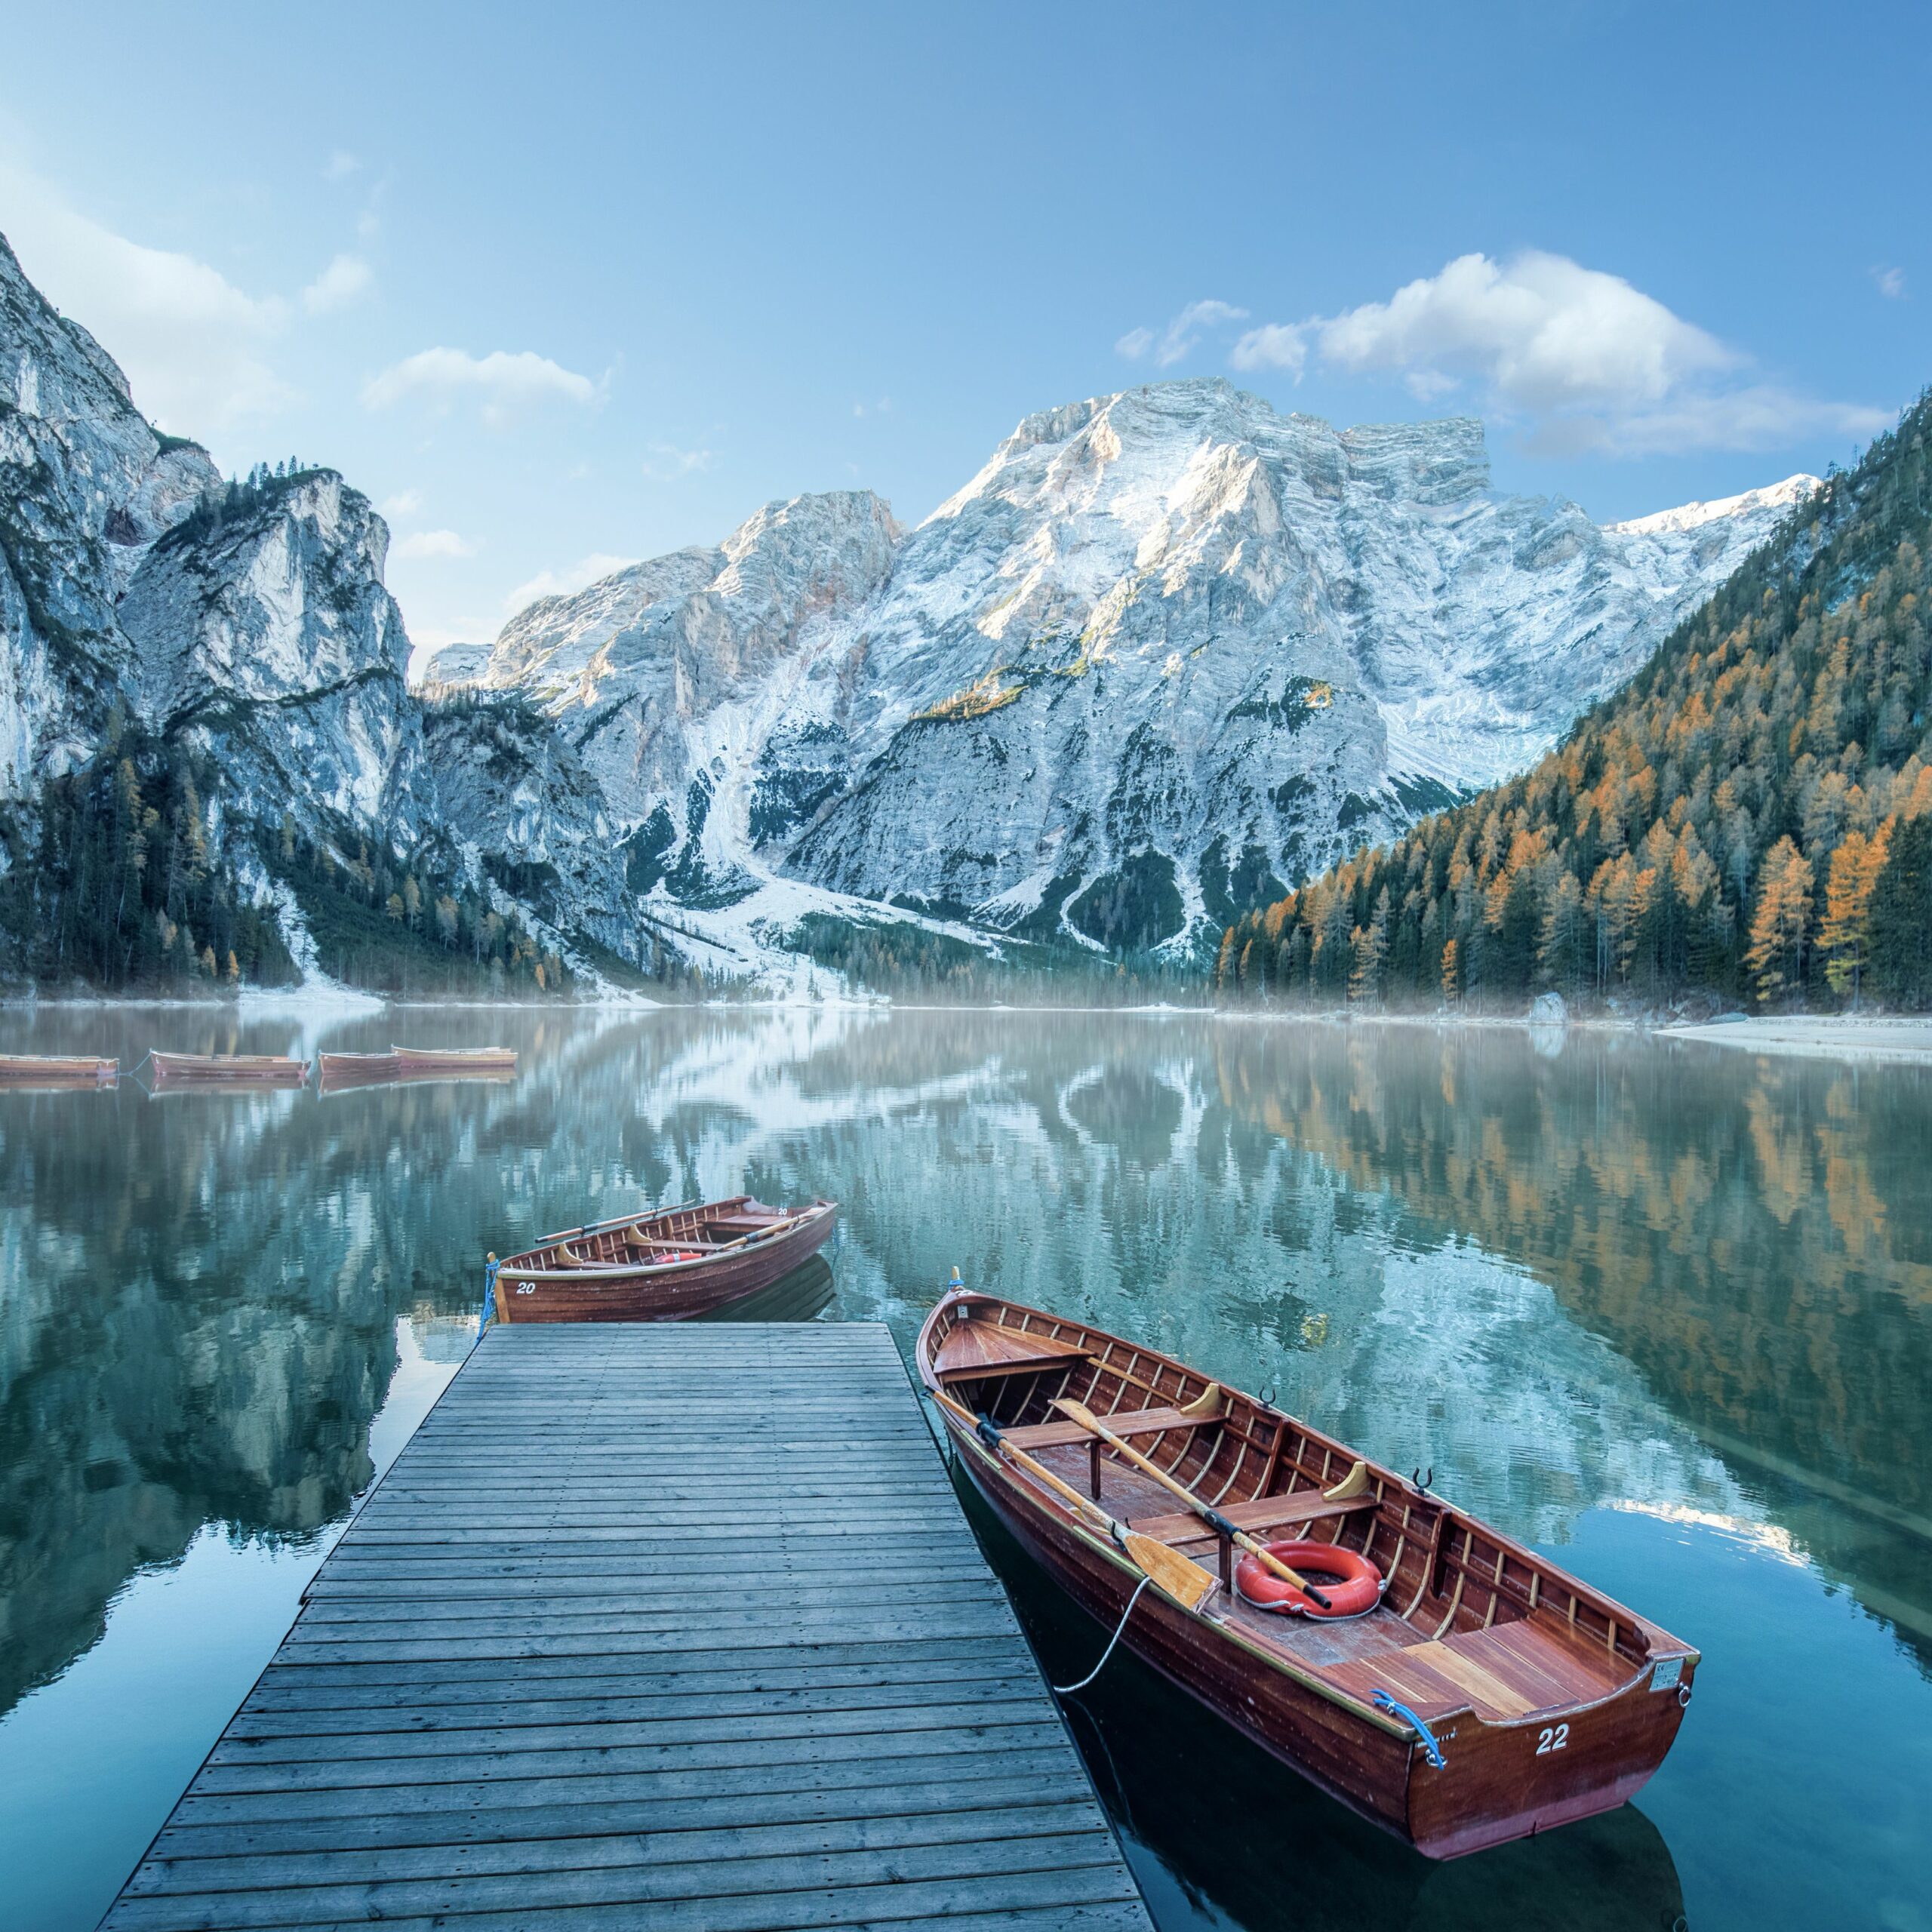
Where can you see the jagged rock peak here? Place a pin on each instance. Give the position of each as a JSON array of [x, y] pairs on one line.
[[1169, 430]]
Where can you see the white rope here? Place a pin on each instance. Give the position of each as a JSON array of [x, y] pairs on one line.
[[1068, 1690]]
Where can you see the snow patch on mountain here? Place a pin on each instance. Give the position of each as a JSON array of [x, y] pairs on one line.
[[1690, 516]]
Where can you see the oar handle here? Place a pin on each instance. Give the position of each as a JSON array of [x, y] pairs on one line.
[[1081, 1414]]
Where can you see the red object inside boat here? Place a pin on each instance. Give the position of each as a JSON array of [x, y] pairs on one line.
[[1357, 1587]]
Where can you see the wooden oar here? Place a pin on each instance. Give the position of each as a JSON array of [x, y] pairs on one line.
[[1180, 1576], [1079, 1412]]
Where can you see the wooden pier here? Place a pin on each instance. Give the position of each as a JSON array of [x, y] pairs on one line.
[[676, 1627]]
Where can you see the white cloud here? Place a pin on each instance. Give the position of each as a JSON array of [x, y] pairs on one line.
[[1541, 332], [1891, 282], [193, 344], [666, 462], [404, 502], [501, 380], [881, 407], [344, 280], [422, 543], [1273, 345], [565, 583], [340, 166], [1180, 335], [1579, 359]]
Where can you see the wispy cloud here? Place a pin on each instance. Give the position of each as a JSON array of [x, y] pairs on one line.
[[566, 582], [346, 279], [1174, 342], [420, 544], [1577, 358], [193, 345], [501, 382], [664, 463], [881, 407], [341, 165], [1891, 283], [404, 502]]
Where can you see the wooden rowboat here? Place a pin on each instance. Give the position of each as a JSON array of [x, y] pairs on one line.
[[255, 1069], [57, 1070], [455, 1059], [1485, 1695], [681, 1261]]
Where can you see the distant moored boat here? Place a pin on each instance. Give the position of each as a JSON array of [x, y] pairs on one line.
[[681, 1261], [455, 1059], [57, 1070], [254, 1069]]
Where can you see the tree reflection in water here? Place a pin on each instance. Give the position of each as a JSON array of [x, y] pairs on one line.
[[1684, 1285]]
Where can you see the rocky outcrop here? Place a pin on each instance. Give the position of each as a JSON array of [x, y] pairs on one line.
[[86, 486], [260, 623], [670, 679]]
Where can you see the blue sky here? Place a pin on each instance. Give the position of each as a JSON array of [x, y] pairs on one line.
[[562, 287]]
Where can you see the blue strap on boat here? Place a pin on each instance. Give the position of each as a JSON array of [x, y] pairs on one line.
[[1384, 1701]]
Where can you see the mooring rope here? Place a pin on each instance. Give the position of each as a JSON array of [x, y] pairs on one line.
[[1068, 1690]]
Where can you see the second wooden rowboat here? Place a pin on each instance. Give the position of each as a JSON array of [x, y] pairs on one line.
[[455, 1059], [57, 1070], [1483, 1695], [680, 1261], [260, 1069]]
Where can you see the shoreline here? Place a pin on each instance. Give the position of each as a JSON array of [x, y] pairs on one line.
[[1899, 1039], [1847, 1036]]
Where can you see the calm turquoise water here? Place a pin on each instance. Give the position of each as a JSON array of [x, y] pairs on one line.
[[1664, 1310]]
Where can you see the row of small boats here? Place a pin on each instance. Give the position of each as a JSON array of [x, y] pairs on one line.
[[334, 1071], [1445, 1681]]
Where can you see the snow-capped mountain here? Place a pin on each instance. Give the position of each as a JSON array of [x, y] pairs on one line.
[[1168, 650]]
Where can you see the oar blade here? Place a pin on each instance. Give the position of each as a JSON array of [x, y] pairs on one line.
[[1177, 1575]]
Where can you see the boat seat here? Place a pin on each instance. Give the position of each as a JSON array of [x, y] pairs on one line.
[[1265, 1513], [1136, 1422]]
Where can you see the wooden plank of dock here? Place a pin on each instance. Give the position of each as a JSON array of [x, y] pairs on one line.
[[672, 1626]]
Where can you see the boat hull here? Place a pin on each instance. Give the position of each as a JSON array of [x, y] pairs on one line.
[[254, 1069], [661, 1294], [38, 1070], [455, 1059], [1481, 1798], [1509, 1770]]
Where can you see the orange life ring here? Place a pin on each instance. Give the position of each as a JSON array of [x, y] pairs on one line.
[[1358, 1587]]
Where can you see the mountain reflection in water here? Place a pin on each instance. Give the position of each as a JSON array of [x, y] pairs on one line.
[[1682, 1291]]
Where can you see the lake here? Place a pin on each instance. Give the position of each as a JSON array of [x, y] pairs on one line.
[[1662, 1309]]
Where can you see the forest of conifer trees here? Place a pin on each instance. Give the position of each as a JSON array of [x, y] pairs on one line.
[[1750, 817], [121, 881]]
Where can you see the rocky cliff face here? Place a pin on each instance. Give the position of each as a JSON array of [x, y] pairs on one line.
[[262, 625], [247, 623], [86, 487], [1168, 651]]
